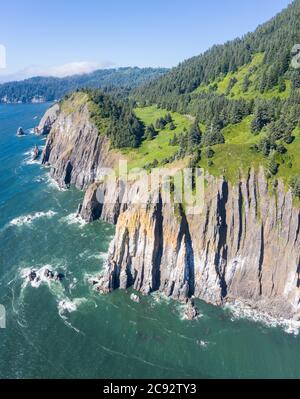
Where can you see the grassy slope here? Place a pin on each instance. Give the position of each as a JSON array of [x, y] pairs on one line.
[[253, 70], [158, 148], [232, 159], [235, 156]]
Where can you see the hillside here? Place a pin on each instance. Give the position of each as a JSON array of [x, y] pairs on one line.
[[50, 88], [245, 97]]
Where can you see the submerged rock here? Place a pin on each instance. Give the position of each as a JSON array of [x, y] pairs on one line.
[[59, 276]]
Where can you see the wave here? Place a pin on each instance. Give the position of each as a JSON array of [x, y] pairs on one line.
[[30, 161], [28, 219], [98, 256], [74, 218], [65, 305], [53, 183], [40, 279], [239, 310], [70, 306]]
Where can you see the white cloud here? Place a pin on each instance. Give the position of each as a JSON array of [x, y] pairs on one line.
[[60, 71]]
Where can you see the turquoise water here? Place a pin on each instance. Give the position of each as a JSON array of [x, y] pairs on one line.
[[68, 331]]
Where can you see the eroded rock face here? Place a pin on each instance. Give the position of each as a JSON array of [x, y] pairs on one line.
[[75, 150], [48, 120], [244, 246]]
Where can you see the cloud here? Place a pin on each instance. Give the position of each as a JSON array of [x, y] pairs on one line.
[[60, 71]]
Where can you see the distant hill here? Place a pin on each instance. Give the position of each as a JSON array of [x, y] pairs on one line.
[[40, 89]]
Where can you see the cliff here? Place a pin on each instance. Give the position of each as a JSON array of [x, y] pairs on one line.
[[74, 148], [245, 245], [48, 120]]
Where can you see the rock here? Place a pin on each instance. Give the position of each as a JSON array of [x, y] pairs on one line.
[[32, 275], [74, 147], [35, 153], [135, 298], [79, 210], [49, 274], [47, 121], [216, 255], [20, 132], [59, 276], [191, 312]]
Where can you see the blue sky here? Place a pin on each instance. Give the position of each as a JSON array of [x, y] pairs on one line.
[[63, 36]]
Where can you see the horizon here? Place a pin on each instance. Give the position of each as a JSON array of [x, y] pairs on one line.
[[148, 47]]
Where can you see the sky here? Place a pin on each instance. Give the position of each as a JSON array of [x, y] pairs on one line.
[[63, 37]]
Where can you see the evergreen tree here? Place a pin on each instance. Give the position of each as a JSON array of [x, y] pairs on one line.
[[150, 132], [168, 118], [281, 85], [213, 135], [172, 126], [194, 137], [210, 152], [273, 166], [295, 184]]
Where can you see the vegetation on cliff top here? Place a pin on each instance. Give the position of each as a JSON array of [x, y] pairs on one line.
[[234, 107], [245, 98]]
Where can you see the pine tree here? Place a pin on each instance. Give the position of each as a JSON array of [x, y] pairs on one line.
[[281, 85], [213, 135], [172, 126], [168, 118], [150, 132], [273, 166], [288, 137], [194, 137]]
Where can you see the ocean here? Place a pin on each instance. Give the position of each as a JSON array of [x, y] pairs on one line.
[[66, 330]]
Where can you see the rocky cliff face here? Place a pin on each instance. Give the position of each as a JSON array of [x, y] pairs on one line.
[[48, 120], [245, 245], [74, 149]]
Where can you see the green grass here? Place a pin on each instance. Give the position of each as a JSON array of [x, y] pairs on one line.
[[235, 157], [253, 70], [101, 123], [159, 147], [71, 104], [293, 151], [232, 159]]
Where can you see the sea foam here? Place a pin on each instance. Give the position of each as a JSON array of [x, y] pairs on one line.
[[73, 218], [239, 310], [28, 219]]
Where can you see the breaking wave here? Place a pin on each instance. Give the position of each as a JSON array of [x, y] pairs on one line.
[[53, 183], [28, 219], [73, 218], [239, 310]]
